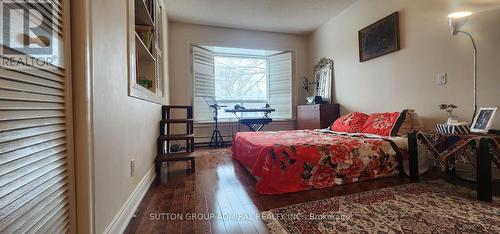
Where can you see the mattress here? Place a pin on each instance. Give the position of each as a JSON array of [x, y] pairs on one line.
[[298, 160]]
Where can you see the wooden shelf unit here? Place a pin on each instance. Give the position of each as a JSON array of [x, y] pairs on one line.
[[164, 154]]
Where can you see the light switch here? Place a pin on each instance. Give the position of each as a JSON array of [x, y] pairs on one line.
[[441, 78]]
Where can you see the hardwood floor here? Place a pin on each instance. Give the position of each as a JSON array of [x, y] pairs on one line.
[[223, 188]]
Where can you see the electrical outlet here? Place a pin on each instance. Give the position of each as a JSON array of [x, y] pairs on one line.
[[441, 78], [132, 168]]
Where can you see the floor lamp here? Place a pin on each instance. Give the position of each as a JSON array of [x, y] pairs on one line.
[[457, 20]]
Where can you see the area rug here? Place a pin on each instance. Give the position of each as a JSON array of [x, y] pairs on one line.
[[425, 207]]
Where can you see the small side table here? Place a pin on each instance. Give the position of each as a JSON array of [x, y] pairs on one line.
[[445, 145]]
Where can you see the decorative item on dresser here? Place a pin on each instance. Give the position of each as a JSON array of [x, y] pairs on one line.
[[164, 153], [317, 116]]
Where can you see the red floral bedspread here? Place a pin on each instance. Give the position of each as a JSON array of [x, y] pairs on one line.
[[291, 161]]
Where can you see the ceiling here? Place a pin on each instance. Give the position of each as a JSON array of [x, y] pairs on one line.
[[284, 16]]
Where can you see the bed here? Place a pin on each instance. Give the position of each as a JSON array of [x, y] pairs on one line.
[[355, 147], [298, 160]]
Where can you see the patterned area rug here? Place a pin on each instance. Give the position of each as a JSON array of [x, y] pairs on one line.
[[426, 207]]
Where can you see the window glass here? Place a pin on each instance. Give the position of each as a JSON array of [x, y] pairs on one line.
[[240, 80]]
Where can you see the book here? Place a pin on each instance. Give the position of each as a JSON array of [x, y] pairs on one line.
[[145, 83], [148, 40]]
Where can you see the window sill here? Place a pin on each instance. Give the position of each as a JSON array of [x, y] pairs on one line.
[[235, 121]]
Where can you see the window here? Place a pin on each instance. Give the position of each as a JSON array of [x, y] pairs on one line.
[[240, 80], [250, 78]]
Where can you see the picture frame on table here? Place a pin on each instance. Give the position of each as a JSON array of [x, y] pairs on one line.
[[483, 119]]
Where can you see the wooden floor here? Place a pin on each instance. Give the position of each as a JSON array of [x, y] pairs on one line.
[[223, 188]]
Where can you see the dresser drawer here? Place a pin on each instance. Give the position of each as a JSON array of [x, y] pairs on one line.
[[316, 116], [301, 126], [308, 108], [308, 115]]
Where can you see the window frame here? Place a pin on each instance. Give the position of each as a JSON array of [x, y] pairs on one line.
[[293, 85]]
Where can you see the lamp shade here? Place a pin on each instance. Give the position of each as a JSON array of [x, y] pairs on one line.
[[457, 20]]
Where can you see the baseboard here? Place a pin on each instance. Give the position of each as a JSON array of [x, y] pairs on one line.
[[121, 220]]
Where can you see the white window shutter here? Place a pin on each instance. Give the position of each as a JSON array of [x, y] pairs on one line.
[[280, 85], [204, 82]]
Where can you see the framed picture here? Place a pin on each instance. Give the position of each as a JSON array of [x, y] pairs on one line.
[[323, 75], [379, 38], [483, 120]]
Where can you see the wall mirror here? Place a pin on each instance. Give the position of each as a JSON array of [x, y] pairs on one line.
[[323, 75]]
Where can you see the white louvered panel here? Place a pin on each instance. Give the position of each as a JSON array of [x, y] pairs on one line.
[[53, 74], [26, 161], [29, 141], [56, 41], [158, 74], [19, 124], [30, 132], [49, 178], [30, 114], [24, 96], [158, 49], [34, 191], [33, 78], [40, 214], [53, 221], [27, 105], [280, 85], [50, 17], [20, 153], [33, 181], [16, 86], [58, 212], [30, 172], [53, 12], [204, 82], [59, 226], [20, 215]]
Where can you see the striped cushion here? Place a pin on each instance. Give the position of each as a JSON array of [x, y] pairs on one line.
[[452, 129]]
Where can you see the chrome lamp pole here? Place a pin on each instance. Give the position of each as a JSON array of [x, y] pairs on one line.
[[456, 21]]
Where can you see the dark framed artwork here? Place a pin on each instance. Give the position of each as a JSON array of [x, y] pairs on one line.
[[379, 38]]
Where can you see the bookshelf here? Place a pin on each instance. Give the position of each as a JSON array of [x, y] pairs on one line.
[[146, 50]]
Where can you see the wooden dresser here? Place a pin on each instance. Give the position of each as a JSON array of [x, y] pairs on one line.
[[316, 116]]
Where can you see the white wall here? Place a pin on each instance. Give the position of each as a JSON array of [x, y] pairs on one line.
[[407, 78], [124, 127], [181, 36]]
